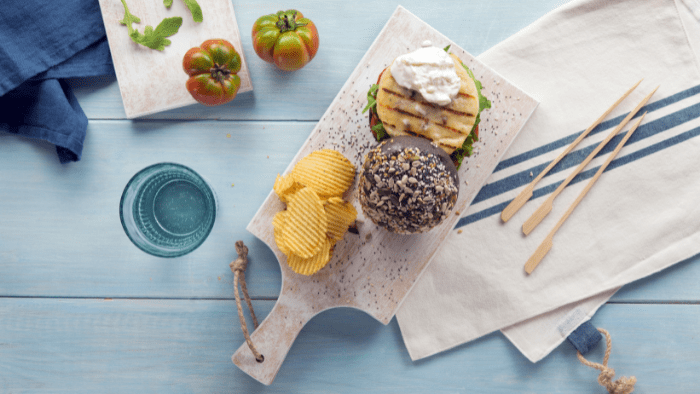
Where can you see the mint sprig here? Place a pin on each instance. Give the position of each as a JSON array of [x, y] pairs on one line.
[[151, 38], [192, 5], [195, 10]]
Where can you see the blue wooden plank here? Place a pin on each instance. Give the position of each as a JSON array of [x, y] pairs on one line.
[[61, 235], [679, 283], [175, 326], [184, 346], [346, 29]]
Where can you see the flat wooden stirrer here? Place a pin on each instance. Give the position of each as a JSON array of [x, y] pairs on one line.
[[526, 193], [546, 244], [546, 206]]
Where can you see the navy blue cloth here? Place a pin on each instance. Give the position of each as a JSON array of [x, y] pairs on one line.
[[42, 43], [585, 337]]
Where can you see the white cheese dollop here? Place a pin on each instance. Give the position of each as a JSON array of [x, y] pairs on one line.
[[430, 71]]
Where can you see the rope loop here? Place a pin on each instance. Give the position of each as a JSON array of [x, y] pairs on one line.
[[238, 268], [624, 385], [241, 263]]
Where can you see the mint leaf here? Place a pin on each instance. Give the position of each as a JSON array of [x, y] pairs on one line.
[[156, 39], [151, 38], [168, 3], [195, 9], [168, 26], [129, 18]]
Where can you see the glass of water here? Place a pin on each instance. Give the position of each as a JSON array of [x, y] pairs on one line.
[[167, 210]]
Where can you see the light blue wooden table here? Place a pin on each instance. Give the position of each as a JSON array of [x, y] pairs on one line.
[[82, 310]]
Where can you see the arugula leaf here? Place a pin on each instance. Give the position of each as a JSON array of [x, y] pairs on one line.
[[447, 48], [154, 39], [194, 8], [371, 97], [484, 103], [380, 131], [372, 104], [467, 148], [168, 3]]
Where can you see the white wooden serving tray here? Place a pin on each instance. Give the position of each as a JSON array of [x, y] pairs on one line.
[[152, 81], [374, 270]]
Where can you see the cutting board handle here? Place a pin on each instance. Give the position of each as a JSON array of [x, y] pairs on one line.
[[273, 338]]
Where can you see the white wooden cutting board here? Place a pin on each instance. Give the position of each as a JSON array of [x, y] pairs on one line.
[[152, 81], [374, 270]]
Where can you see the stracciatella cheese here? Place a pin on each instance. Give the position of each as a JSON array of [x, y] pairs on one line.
[[430, 71]]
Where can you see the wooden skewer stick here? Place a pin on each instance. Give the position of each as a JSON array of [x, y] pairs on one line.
[[526, 193], [546, 206], [546, 245]]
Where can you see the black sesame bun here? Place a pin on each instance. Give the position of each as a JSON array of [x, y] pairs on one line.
[[408, 185]]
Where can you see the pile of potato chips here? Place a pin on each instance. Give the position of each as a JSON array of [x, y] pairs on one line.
[[316, 216]]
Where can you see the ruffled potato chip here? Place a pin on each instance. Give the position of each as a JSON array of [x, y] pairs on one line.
[[313, 264], [340, 215], [278, 223], [285, 187], [327, 171], [305, 223], [316, 216]]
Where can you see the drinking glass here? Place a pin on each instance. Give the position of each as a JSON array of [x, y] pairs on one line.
[[167, 210]]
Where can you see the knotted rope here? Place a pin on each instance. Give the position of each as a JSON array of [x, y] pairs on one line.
[[624, 385], [238, 267]]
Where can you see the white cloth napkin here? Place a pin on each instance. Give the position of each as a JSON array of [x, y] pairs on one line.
[[640, 217]]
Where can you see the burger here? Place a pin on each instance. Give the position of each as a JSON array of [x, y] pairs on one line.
[[428, 93]]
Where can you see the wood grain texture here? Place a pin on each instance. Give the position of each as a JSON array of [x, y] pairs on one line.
[[173, 331], [64, 206], [183, 346], [278, 94], [61, 234], [152, 81]]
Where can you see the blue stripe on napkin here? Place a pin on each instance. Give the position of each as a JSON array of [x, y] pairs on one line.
[[644, 131]]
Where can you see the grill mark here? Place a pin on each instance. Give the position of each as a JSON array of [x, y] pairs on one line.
[[460, 113], [406, 130], [415, 134], [402, 112], [445, 145], [467, 95]]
